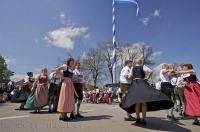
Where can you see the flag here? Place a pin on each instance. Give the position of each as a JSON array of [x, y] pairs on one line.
[[130, 1]]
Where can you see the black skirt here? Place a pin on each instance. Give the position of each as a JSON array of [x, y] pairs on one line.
[[141, 92]]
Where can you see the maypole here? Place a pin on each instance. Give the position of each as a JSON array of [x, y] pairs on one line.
[[114, 33], [114, 43]]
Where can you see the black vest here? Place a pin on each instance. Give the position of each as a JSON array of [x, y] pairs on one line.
[[138, 72], [67, 73], [191, 78]]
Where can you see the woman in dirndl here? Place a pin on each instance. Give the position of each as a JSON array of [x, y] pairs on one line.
[[141, 97], [41, 91], [191, 92], [66, 103]]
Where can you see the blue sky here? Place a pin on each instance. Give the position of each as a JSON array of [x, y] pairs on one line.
[[30, 29]]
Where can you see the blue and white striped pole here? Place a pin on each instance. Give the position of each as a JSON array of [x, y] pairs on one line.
[[114, 33], [114, 43]]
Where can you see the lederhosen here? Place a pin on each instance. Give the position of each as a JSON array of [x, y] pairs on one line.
[[53, 93], [79, 90], [124, 88]]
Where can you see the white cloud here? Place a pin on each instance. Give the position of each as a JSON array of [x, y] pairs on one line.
[[17, 77], [65, 37], [65, 20], [145, 21], [10, 60], [87, 36], [62, 15], [37, 70], [156, 13], [156, 54]]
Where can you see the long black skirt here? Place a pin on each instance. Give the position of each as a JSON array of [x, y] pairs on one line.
[[141, 92]]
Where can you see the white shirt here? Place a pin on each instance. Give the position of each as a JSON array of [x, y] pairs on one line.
[[180, 81], [64, 66], [146, 69], [174, 81], [110, 89], [158, 85], [97, 90], [26, 79], [125, 71], [177, 81], [119, 90], [55, 79], [10, 83], [164, 77], [77, 72], [79, 75]]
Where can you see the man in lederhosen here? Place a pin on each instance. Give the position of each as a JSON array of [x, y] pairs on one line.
[[78, 84], [166, 86], [54, 87], [125, 82]]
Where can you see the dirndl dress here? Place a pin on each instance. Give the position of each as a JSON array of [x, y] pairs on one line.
[[192, 96], [41, 93], [66, 103], [141, 92]]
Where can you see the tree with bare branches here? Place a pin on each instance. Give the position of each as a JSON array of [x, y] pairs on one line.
[[136, 50], [97, 62], [106, 49], [93, 64]]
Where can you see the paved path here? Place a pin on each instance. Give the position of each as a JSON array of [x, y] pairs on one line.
[[98, 118]]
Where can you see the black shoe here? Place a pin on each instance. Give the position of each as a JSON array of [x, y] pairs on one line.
[[18, 109], [184, 114], [130, 118], [138, 121], [196, 122], [72, 116], [143, 122], [61, 118], [21, 108], [67, 118], [50, 111], [64, 118], [79, 116]]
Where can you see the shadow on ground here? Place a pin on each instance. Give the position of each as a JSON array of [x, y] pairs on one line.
[[92, 118], [161, 124]]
